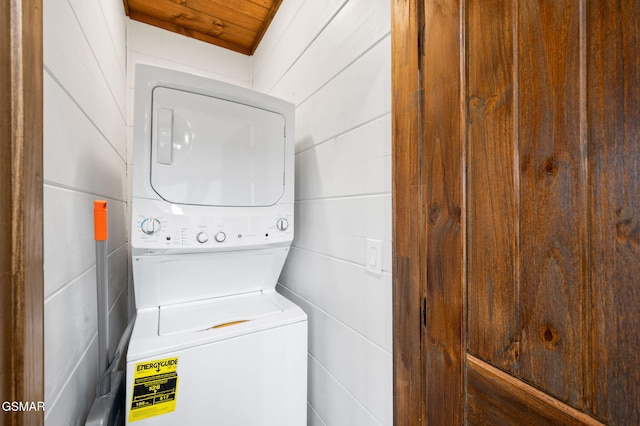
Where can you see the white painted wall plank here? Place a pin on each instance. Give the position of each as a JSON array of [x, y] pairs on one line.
[[359, 25], [313, 419], [286, 16], [333, 402], [116, 22], [362, 368], [95, 30], [288, 37], [355, 163], [70, 61], [340, 227], [72, 404], [358, 95], [70, 324], [77, 156], [344, 290], [164, 48]]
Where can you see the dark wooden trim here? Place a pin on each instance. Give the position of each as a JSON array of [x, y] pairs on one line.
[[21, 217], [408, 219], [443, 138], [428, 212], [495, 397]]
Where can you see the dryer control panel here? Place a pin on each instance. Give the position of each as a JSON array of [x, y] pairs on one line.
[[162, 227]]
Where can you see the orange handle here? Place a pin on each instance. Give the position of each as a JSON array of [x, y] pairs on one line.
[[100, 220]]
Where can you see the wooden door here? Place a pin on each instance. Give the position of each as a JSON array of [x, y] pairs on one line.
[[523, 181]]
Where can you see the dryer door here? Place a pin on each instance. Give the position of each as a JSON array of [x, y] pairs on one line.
[[215, 152]]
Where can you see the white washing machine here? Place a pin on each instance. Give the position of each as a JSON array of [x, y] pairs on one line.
[[212, 222]]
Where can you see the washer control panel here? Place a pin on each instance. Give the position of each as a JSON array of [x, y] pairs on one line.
[[156, 226]]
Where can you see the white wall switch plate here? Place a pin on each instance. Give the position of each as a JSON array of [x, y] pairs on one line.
[[373, 261]]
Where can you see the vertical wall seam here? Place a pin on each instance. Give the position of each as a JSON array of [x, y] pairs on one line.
[[421, 222], [516, 180], [587, 327], [464, 337]]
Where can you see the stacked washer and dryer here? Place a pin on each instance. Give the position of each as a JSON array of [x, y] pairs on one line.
[[212, 222]]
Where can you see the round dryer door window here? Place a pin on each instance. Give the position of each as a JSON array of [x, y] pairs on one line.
[[215, 152]]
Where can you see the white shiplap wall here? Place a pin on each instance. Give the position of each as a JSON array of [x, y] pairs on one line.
[[154, 46], [332, 59], [84, 159]]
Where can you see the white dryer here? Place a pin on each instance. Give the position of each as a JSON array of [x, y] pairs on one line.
[[212, 222]]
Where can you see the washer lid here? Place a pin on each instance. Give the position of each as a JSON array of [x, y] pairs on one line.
[[214, 313], [215, 152]]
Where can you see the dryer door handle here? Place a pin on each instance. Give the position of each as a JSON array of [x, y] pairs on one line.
[[164, 139]]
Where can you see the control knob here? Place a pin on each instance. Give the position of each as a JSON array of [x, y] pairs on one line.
[[150, 226], [202, 237], [282, 224], [220, 236]]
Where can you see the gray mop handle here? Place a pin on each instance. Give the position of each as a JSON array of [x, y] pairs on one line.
[[102, 276]]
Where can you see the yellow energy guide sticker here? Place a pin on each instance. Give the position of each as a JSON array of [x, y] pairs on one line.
[[155, 388]]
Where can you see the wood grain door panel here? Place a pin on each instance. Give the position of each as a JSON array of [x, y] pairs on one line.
[[526, 192], [526, 181], [613, 117]]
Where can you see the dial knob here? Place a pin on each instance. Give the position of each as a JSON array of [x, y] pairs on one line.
[[150, 226], [282, 224], [220, 236], [202, 237]]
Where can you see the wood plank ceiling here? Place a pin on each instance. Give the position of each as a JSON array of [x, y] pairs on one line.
[[233, 24]]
